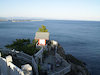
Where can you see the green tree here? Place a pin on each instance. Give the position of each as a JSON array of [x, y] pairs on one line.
[[43, 29], [23, 45]]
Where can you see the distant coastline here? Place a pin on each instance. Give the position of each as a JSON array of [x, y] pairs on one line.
[[16, 20], [24, 20]]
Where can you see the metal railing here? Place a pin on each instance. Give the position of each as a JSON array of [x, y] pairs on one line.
[[64, 70]]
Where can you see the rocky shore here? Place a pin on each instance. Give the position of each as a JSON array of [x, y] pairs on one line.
[[77, 67]]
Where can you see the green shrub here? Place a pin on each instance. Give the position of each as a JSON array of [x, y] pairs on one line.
[[43, 29], [45, 53], [23, 45]]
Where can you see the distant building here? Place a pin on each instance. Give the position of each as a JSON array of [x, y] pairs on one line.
[[42, 37]]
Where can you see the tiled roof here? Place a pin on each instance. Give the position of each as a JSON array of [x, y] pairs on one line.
[[42, 35]]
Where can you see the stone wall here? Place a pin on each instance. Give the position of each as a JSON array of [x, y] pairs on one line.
[[8, 68]]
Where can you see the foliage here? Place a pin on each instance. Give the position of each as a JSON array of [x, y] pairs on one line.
[[43, 29], [23, 45], [39, 68], [45, 53]]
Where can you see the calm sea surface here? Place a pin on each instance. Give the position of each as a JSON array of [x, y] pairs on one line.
[[79, 38]]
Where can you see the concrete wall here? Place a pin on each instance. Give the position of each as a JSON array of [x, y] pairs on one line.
[[8, 68], [24, 57], [3, 66]]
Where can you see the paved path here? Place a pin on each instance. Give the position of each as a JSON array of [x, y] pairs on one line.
[[51, 58]]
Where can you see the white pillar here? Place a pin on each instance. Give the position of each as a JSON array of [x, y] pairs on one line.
[[0, 54], [8, 59]]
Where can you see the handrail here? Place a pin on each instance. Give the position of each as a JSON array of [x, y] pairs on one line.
[[65, 70], [39, 52], [23, 56], [11, 66]]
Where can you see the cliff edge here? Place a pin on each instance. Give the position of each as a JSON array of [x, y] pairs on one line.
[[77, 67]]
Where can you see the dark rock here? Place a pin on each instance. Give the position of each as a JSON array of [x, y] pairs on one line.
[[77, 67]]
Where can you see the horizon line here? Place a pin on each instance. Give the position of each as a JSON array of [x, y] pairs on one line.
[[48, 18]]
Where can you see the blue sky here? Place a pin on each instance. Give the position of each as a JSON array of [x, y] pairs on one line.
[[52, 9]]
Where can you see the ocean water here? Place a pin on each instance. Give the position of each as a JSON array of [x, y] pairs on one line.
[[79, 38]]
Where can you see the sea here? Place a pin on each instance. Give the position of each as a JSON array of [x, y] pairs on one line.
[[79, 38]]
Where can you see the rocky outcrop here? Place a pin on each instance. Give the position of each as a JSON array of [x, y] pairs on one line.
[[77, 67], [61, 51]]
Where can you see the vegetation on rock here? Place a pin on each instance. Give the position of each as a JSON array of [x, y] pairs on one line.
[[72, 59], [78, 67], [23, 45], [43, 29]]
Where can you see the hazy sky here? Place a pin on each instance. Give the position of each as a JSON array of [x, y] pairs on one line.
[[51, 9]]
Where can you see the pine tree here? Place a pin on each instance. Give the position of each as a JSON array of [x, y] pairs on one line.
[[43, 29]]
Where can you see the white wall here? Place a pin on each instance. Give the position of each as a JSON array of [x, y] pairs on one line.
[[3, 66], [9, 70]]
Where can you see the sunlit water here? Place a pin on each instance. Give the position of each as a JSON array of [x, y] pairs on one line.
[[79, 38]]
